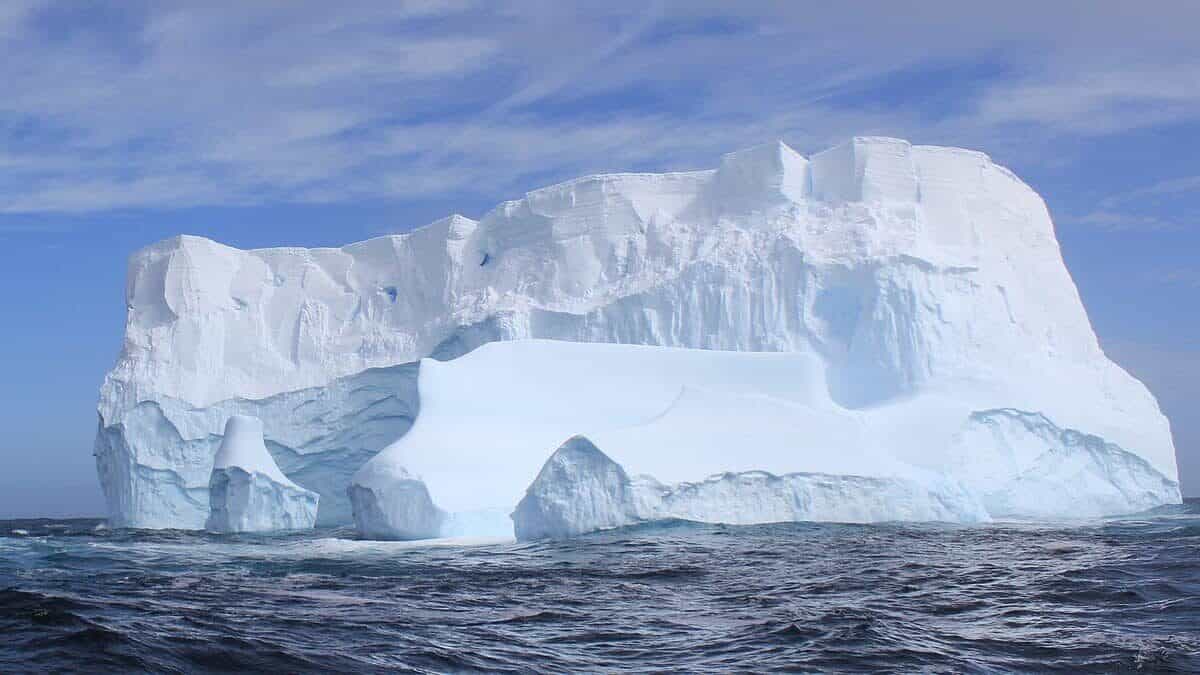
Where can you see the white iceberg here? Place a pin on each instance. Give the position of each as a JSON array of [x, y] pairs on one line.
[[248, 492], [907, 273]]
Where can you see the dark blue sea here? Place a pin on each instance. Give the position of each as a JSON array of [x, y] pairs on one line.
[[1117, 595]]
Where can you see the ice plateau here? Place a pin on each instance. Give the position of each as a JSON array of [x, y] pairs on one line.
[[248, 492], [921, 289]]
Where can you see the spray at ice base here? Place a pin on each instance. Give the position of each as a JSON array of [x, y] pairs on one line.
[[248, 492], [926, 281]]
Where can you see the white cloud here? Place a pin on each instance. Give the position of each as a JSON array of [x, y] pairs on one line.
[[1187, 277], [202, 104], [1098, 101], [1142, 209], [1117, 221], [179, 190], [1169, 187]]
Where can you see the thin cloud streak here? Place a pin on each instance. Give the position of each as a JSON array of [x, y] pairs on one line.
[[148, 107]]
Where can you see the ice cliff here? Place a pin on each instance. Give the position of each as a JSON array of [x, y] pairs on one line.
[[248, 492], [925, 282]]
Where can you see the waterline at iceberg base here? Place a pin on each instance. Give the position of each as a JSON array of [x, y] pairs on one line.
[[879, 310]]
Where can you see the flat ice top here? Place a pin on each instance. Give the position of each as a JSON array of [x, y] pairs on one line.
[[243, 447]]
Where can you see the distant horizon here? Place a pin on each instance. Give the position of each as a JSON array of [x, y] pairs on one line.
[[260, 127]]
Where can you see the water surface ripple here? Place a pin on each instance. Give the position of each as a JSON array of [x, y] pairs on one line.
[[1113, 595]]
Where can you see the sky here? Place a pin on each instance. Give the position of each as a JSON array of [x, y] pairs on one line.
[[318, 123]]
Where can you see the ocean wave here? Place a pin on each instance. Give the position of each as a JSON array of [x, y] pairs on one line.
[[1121, 594]]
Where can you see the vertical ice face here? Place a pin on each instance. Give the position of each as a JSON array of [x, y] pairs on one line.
[[761, 177], [578, 490], [905, 269], [391, 503], [248, 492], [866, 170]]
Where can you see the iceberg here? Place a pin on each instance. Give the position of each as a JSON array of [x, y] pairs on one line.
[[925, 283], [248, 492]]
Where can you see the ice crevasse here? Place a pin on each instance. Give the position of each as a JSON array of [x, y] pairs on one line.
[[920, 290]]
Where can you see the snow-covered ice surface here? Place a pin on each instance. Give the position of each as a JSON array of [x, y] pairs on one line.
[[925, 282], [248, 492]]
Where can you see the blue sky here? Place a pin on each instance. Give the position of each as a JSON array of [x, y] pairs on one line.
[[322, 123]]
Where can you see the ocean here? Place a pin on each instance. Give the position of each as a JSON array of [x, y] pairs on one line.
[[1112, 595]]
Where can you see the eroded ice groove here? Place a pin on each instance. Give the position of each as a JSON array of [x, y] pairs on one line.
[[248, 492], [580, 490], [905, 269]]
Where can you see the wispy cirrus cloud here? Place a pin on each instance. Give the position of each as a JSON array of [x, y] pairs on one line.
[[1186, 277], [1171, 187], [1166, 205], [1119, 221], [142, 105]]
